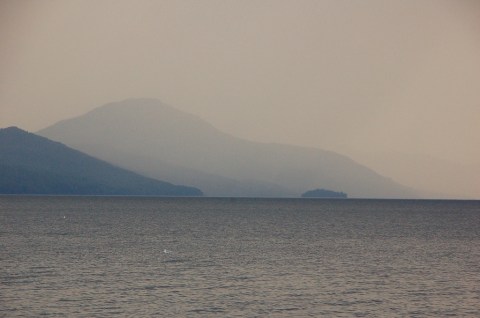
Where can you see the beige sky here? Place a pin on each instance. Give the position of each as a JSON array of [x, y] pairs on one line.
[[356, 76]]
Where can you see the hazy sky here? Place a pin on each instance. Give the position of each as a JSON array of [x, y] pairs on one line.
[[353, 76]]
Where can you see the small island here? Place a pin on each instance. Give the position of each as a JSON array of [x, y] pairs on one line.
[[326, 194]]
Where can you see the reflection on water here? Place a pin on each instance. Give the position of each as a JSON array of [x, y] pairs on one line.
[[98, 256]]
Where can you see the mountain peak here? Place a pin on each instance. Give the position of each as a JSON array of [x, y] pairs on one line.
[[14, 135], [135, 104], [13, 130]]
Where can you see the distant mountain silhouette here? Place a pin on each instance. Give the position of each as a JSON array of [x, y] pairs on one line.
[[147, 136], [322, 193], [30, 164]]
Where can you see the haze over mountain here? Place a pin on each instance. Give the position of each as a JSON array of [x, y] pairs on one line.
[[30, 164], [360, 78], [152, 138]]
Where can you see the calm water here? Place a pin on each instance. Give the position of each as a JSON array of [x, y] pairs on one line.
[[99, 256]]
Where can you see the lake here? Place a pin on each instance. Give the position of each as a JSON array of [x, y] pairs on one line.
[[221, 257]]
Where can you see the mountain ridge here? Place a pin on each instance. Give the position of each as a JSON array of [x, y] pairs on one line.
[[31, 164], [155, 139]]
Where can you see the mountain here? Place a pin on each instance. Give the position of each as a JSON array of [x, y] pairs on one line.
[[152, 138], [30, 164]]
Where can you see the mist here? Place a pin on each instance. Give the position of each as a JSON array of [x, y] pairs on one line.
[[378, 81]]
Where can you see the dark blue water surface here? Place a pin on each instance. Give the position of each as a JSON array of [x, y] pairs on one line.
[[201, 257]]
